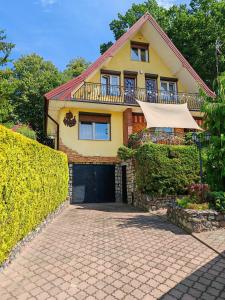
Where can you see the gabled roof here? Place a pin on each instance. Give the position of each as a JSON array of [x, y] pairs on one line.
[[63, 92]]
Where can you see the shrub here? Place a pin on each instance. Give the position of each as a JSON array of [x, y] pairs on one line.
[[160, 173], [125, 153], [218, 200], [187, 202], [27, 131], [33, 183], [198, 192]]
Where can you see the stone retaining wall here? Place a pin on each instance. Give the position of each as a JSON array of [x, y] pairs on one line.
[[195, 220], [152, 203]]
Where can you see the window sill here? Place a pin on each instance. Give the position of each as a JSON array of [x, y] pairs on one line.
[[94, 140], [142, 61]]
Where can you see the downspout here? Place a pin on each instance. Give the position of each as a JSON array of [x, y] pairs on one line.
[[54, 121], [57, 130]]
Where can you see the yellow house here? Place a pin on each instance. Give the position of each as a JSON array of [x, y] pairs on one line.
[[92, 115]]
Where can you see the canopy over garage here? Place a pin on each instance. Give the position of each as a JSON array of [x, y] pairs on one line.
[[168, 115]]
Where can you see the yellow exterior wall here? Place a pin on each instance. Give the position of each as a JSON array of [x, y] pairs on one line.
[[122, 61], [70, 136]]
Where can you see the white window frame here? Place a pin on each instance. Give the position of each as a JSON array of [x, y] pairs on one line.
[[94, 132], [139, 54], [168, 95]]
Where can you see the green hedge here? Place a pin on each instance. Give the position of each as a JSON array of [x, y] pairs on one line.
[[166, 169], [33, 183]]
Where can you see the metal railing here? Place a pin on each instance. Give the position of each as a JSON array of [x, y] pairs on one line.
[[115, 94], [159, 137]]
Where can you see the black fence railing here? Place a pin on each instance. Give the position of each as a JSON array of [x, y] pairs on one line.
[[115, 94], [168, 138]]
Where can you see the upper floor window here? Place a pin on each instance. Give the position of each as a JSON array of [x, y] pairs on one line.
[[168, 89], [94, 127], [139, 51], [110, 84]]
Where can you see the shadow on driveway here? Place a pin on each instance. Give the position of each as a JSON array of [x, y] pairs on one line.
[[108, 207], [207, 283]]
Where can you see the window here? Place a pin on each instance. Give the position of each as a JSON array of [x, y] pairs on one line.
[[110, 85], [139, 52], [94, 127], [164, 129], [168, 90]]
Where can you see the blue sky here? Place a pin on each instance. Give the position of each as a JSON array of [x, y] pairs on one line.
[[60, 30]]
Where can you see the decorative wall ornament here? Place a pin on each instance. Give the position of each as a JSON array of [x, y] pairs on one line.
[[69, 119]]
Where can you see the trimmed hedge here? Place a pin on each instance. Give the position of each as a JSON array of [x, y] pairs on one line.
[[33, 183], [166, 169]]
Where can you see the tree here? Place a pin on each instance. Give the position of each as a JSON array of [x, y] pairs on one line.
[[6, 89], [34, 77], [214, 111], [194, 30], [75, 67], [6, 85], [5, 49], [105, 46]]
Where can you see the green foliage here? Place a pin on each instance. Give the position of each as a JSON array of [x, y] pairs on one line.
[[5, 49], [159, 174], [105, 46], [7, 87], [33, 183], [187, 202], [214, 111], [75, 67], [125, 153], [34, 77], [27, 131], [194, 30], [218, 199]]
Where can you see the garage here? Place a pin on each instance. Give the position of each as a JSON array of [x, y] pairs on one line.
[[93, 183]]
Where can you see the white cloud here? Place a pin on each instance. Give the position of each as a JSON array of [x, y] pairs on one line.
[[46, 3], [166, 3]]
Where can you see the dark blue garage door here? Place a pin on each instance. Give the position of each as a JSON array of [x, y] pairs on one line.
[[93, 183]]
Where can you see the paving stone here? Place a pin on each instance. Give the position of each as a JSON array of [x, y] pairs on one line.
[[112, 252]]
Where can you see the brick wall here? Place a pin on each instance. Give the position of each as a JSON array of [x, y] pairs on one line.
[[75, 157]]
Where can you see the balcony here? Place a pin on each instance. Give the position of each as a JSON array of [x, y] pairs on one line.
[[119, 95]]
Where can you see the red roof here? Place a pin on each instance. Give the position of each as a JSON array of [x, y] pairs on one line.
[[63, 92]]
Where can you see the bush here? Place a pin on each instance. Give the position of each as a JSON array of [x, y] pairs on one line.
[[125, 153], [218, 200], [198, 192], [27, 131], [186, 202], [33, 183], [160, 173]]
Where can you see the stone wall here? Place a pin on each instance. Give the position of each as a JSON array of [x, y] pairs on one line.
[[118, 183], [195, 220], [70, 185], [130, 181], [152, 203]]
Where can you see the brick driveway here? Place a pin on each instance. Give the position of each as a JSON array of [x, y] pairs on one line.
[[113, 252]]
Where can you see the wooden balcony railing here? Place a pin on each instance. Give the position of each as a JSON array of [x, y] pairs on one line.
[[113, 94]]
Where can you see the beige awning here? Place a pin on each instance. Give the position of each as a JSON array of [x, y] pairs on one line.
[[168, 115]]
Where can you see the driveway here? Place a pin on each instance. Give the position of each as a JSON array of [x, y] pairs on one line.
[[112, 251]]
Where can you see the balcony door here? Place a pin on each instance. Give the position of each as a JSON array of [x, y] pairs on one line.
[[168, 91], [110, 85], [129, 89], [151, 89]]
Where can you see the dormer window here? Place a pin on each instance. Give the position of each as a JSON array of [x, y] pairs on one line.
[[139, 51]]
